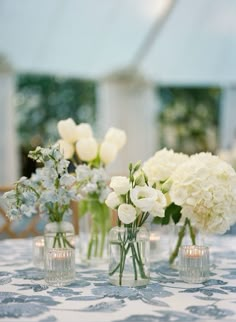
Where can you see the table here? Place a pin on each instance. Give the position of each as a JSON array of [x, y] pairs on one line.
[[24, 296]]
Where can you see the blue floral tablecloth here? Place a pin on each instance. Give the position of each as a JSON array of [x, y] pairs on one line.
[[24, 296]]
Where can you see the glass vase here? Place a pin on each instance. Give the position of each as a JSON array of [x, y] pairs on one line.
[[94, 227], [59, 253], [129, 256], [182, 234]]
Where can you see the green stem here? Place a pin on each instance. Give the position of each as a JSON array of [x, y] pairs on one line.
[[134, 264], [192, 233], [179, 242]]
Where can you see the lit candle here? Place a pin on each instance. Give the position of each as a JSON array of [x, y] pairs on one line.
[[194, 263], [59, 266], [38, 251]]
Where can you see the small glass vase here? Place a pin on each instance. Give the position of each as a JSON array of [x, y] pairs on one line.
[[94, 227], [182, 234], [59, 253], [129, 256]]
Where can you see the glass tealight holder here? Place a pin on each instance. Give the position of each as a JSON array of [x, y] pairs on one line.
[[194, 264], [38, 252]]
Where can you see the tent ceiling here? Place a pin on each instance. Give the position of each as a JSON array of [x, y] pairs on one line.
[[197, 44]]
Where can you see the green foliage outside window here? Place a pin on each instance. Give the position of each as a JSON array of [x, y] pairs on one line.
[[189, 119], [44, 100]]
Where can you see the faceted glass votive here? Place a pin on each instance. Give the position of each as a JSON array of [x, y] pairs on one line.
[[38, 252], [59, 266], [194, 263]]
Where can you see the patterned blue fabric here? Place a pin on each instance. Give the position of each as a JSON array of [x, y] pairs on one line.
[[24, 296]]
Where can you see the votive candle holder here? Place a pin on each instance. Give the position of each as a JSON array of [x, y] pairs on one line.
[[194, 264]]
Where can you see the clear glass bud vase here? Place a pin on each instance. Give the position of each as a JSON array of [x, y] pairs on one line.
[[129, 256], [94, 227], [59, 253]]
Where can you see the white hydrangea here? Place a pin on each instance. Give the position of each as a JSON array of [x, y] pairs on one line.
[[161, 166], [205, 188]]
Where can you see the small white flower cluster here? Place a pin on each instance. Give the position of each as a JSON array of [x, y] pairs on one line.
[[48, 191], [92, 182], [79, 139], [160, 167], [205, 188], [135, 202]]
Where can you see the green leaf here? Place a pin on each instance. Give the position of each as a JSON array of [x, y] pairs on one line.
[[172, 211]]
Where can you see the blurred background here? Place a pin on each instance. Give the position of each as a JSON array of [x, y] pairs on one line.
[[162, 70]]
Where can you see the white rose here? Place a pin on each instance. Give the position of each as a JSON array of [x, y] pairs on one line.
[[120, 184], [87, 149], [108, 152], [143, 197], [84, 130], [66, 148], [116, 136], [126, 213], [67, 130], [113, 200]]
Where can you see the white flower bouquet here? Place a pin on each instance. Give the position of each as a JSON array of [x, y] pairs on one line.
[[89, 158], [200, 189], [135, 201]]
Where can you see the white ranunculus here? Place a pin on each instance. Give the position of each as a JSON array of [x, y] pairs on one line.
[[113, 200], [87, 149], [83, 131], [116, 136], [120, 185], [126, 213], [67, 130], [143, 197], [66, 148], [107, 152]]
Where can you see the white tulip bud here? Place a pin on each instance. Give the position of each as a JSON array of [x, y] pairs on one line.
[[67, 130], [107, 152], [66, 148], [87, 149], [116, 136], [84, 130]]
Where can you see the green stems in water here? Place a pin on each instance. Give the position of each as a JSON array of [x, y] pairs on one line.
[[61, 241], [129, 248], [181, 235]]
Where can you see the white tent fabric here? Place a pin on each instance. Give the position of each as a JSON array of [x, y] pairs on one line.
[[194, 45], [197, 44]]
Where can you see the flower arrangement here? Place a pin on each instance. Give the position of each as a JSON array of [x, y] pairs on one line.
[[89, 159], [78, 144], [48, 191], [134, 201], [200, 190]]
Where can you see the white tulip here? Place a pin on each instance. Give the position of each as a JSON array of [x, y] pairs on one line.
[[126, 213], [113, 200], [116, 136], [67, 130], [84, 130], [87, 149], [120, 185], [66, 148], [107, 152], [143, 197]]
